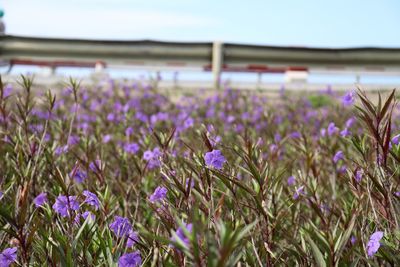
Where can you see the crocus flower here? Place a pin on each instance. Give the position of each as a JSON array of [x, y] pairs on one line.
[[338, 156], [40, 200], [214, 159], [130, 260], [8, 256], [91, 199], [373, 243], [64, 205], [159, 194], [121, 226]]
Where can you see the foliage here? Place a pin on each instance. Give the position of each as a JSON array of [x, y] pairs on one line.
[[128, 175]]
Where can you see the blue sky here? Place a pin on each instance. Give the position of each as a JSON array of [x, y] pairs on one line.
[[338, 23]]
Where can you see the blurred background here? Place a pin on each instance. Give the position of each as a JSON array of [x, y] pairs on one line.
[[301, 24]]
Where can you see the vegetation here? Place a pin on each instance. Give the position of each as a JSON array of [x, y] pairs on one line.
[[119, 174]]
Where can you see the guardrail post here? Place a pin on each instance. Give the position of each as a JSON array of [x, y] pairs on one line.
[[217, 61]]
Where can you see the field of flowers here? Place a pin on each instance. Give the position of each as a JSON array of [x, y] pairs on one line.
[[119, 174]]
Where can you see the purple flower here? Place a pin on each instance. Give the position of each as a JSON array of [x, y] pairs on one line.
[[345, 132], [96, 165], [188, 123], [111, 117], [180, 233], [91, 199], [291, 180], [106, 138], [85, 215], [1, 194], [61, 150], [338, 156], [215, 141], [299, 191], [332, 129], [148, 155], [373, 243], [129, 131], [214, 159], [348, 99], [152, 158], [79, 176], [358, 176], [295, 135], [159, 194], [90, 215], [353, 240], [133, 238], [350, 122], [8, 256], [130, 260], [277, 138], [73, 140], [64, 205], [121, 226], [396, 139], [131, 148], [397, 194], [40, 200]]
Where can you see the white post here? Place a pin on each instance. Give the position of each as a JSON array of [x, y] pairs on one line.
[[217, 61]]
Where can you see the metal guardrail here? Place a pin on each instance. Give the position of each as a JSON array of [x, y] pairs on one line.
[[217, 57]]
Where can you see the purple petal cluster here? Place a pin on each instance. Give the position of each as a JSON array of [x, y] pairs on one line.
[[373, 243], [130, 260], [40, 199], [91, 199], [131, 148], [8, 257], [214, 159], [64, 205], [121, 226], [159, 194], [338, 156]]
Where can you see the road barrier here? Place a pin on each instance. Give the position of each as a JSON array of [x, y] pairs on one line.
[[216, 57]]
